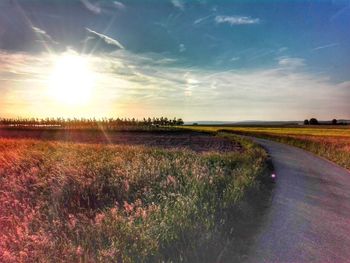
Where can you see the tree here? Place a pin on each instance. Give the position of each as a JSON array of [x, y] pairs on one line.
[[179, 122], [313, 121], [334, 122], [306, 122]]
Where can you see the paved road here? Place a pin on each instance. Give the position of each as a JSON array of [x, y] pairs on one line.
[[309, 218]]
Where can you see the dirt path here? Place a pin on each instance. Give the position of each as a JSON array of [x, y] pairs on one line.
[[309, 217]]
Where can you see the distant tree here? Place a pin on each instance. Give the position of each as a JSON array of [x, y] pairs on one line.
[[179, 122], [195, 124], [306, 122], [334, 122], [313, 121]]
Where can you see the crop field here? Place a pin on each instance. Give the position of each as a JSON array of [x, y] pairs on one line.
[[331, 142], [195, 141], [190, 197]]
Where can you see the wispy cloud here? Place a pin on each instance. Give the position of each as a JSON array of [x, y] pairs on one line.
[[235, 58], [325, 46], [43, 36], [178, 4], [291, 62], [119, 5], [236, 20], [102, 6], [92, 7], [202, 19], [101, 42]]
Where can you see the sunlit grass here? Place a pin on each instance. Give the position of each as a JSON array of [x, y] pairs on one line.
[[85, 203]]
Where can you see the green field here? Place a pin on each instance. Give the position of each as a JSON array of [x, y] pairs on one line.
[[330, 142], [64, 201]]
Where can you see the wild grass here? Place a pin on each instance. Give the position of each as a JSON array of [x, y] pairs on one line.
[[332, 142], [66, 202], [336, 149]]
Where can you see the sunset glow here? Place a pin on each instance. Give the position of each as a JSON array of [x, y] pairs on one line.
[[72, 80]]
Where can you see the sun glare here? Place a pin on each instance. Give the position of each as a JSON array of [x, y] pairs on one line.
[[71, 80]]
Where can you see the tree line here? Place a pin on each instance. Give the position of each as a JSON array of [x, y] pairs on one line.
[[314, 121], [90, 123]]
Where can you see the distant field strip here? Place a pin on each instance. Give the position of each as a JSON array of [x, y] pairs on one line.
[[314, 131], [69, 202], [328, 142]]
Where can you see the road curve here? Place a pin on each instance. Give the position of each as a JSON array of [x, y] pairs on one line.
[[309, 216]]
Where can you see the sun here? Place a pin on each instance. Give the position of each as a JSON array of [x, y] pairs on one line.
[[72, 79]]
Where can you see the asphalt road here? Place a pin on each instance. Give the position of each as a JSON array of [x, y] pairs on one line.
[[309, 217]]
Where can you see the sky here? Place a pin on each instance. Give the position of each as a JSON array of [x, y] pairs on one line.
[[197, 59]]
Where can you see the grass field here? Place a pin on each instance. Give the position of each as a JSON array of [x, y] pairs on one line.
[[71, 202], [330, 142]]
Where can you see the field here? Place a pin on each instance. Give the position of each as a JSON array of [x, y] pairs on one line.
[[192, 198], [195, 141], [330, 142]]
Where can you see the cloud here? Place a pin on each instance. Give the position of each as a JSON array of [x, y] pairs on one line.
[[235, 58], [43, 36], [178, 4], [202, 19], [236, 20], [103, 6], [325, 46], [291, 62], [182, 48], [135, 85], [97, 42], [92, 7], [119, 5]]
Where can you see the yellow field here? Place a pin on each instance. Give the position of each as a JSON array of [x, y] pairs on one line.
[[330, 142], [343, 131]]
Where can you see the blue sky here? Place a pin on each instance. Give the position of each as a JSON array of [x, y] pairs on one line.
[[200, 60]]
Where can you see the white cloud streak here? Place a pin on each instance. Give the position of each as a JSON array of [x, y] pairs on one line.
[[92, 7], [101, 7], [93, 35], [43, 36], [119, 5], [325, 46], [236, 20], [202, 19]]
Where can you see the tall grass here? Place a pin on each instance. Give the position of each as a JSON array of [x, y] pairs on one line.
[[64, 202], [335, 149]]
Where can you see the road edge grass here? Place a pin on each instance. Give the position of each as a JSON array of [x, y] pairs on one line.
[[322, 148], [238, 221], [246, 215]]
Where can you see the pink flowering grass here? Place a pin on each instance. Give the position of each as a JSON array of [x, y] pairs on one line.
[[66, 202]]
